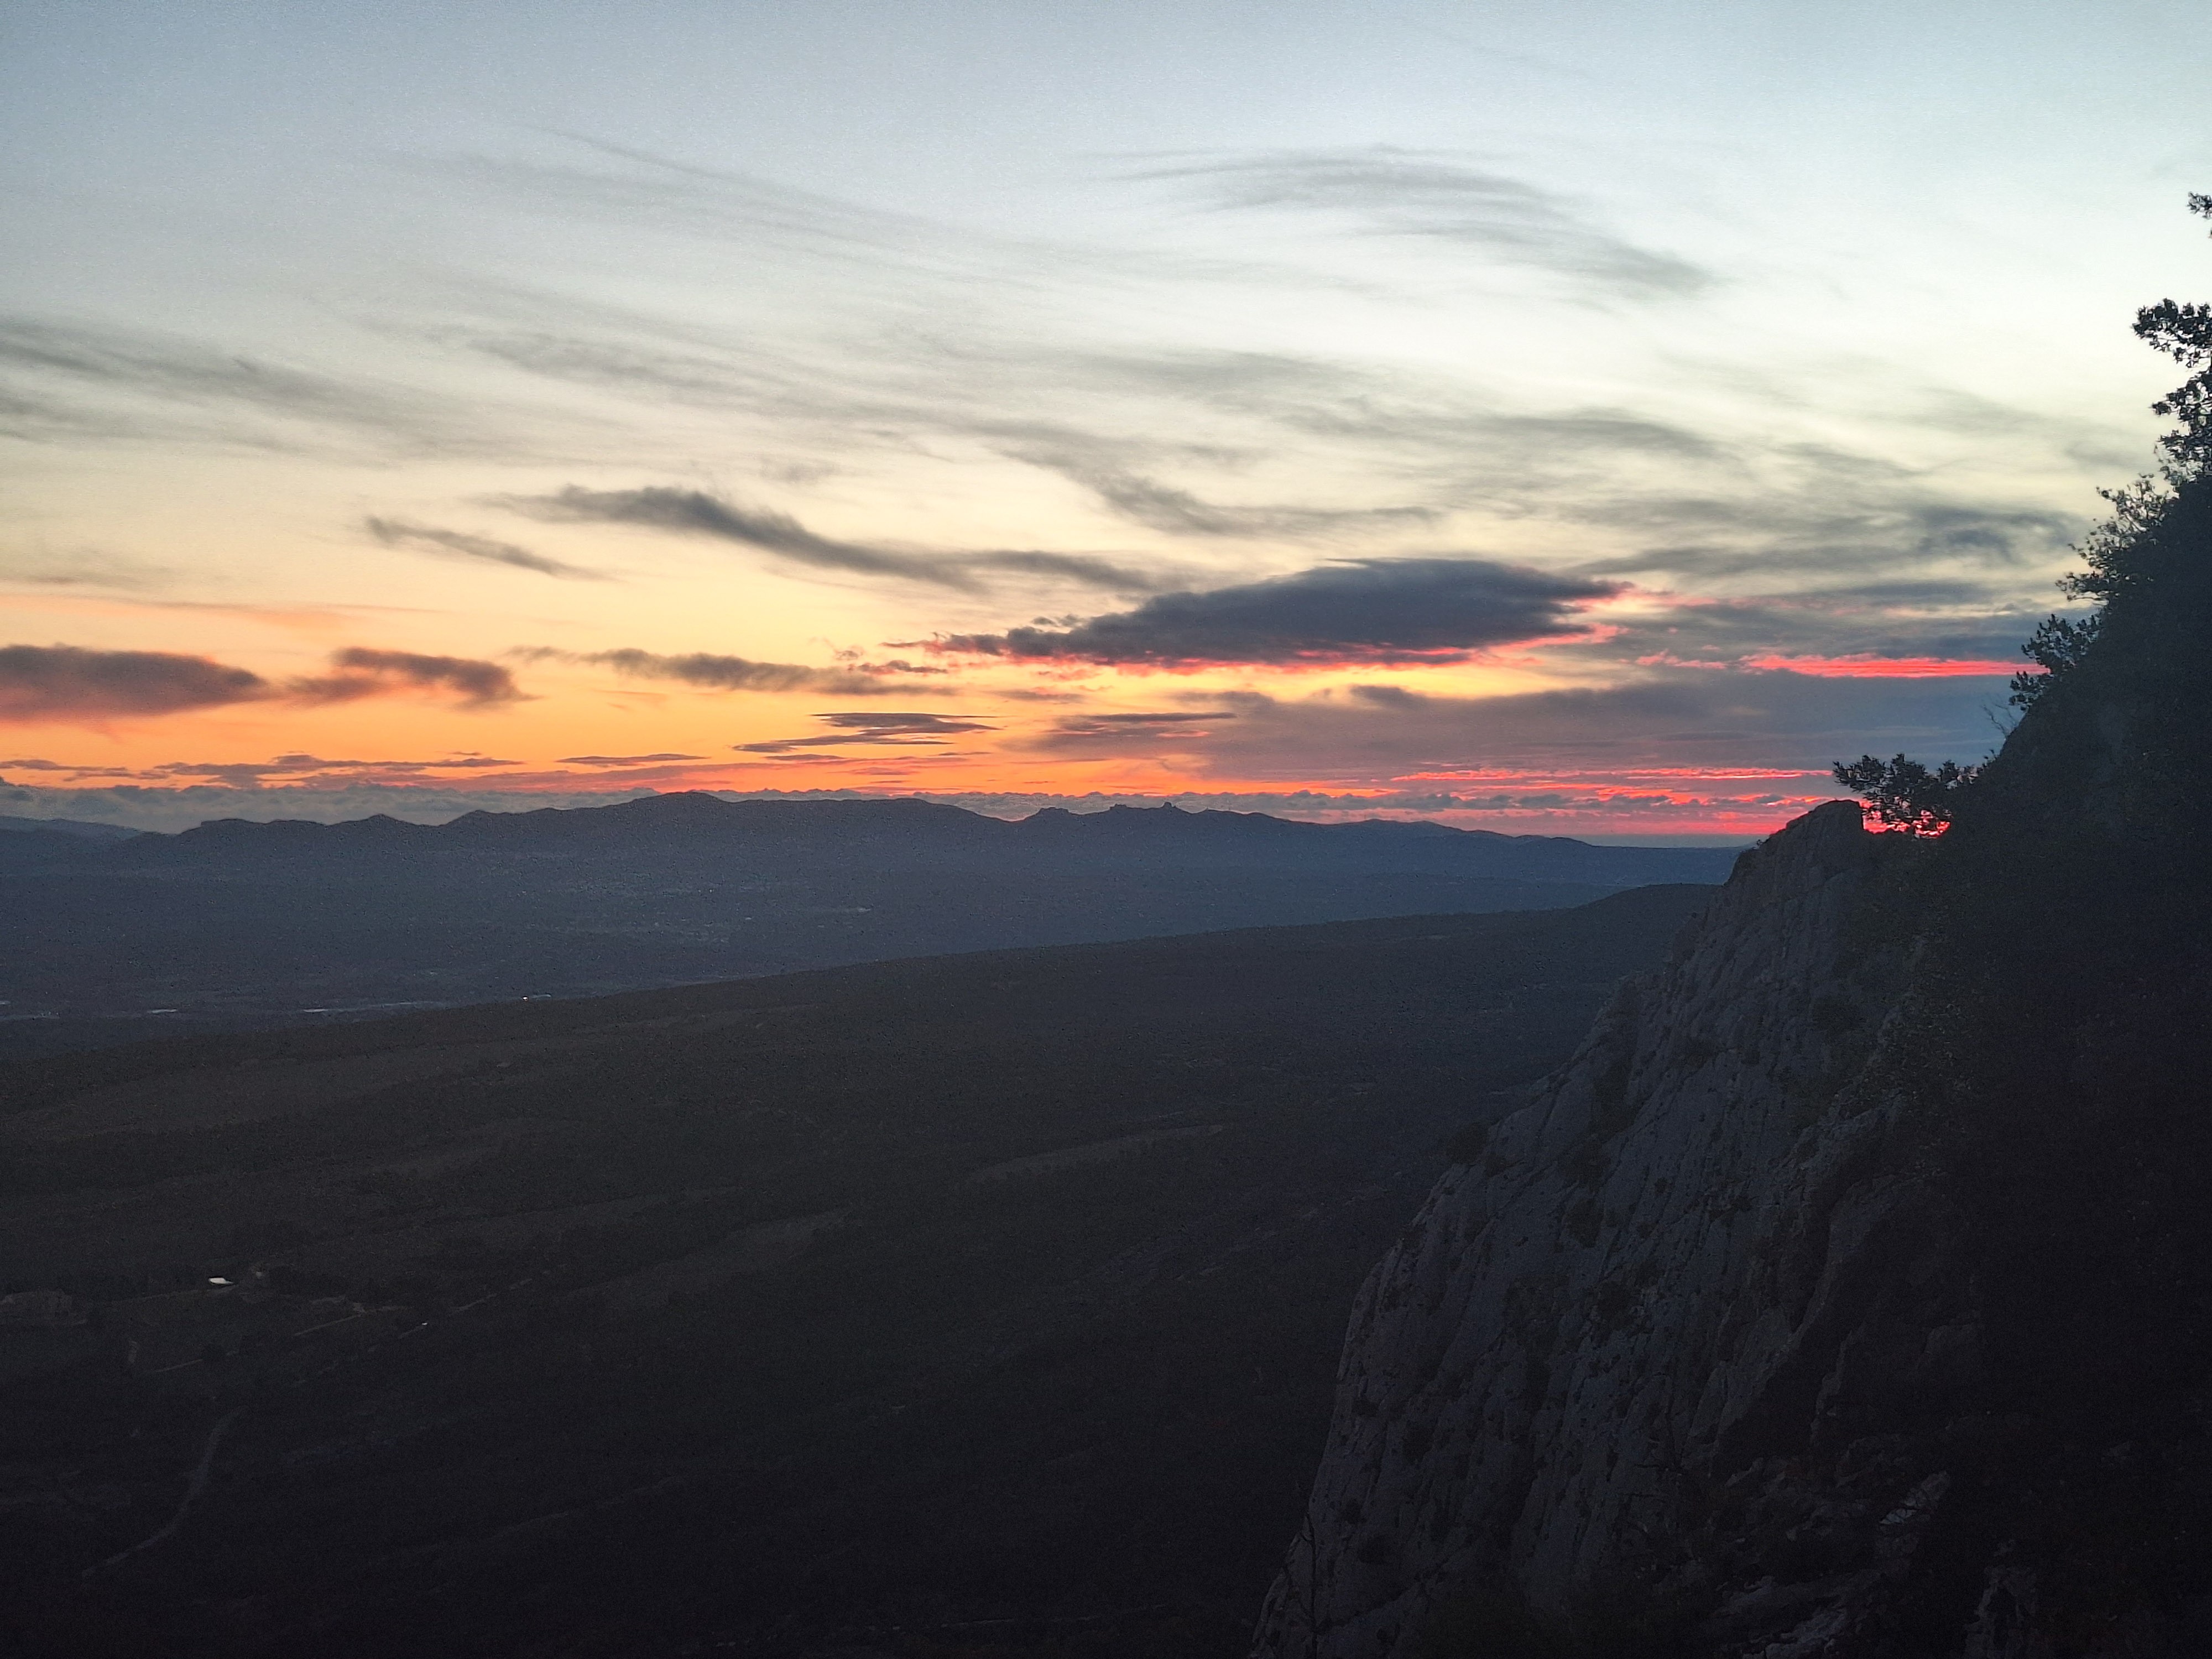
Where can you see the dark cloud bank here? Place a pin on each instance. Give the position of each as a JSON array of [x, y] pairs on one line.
[[63, 682], [1367, 610], [67, 681]]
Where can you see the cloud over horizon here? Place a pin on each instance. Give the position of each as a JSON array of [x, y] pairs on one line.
[[365, 672], [882, 729], [68, 682], [1664, 717], [1123, 383], [1378, 612], [623, 759], [43, 683]]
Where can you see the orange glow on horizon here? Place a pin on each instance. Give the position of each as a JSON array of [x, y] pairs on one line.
[[583, 728]]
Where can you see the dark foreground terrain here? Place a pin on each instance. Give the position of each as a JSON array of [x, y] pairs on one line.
[[234, 926], [982, 1304]]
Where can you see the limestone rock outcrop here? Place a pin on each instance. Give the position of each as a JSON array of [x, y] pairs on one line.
[[1643, 1363]]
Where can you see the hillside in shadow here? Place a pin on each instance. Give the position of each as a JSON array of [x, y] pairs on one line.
[[980, 1304]]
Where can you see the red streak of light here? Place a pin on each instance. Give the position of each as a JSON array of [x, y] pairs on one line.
[[1881, 668], [1693, 774]]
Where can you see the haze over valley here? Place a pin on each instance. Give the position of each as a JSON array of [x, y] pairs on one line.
[[104, 938]]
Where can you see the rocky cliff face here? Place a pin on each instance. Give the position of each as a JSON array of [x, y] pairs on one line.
[[1850, 1295], [1647, 1371]]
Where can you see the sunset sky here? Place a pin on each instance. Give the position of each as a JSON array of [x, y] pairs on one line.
[[1576, 418]]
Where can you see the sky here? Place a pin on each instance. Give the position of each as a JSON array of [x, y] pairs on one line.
[[1591, 417]]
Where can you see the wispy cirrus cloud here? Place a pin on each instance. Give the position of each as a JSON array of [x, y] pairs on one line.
[[1280, 446], [832, 239], [1823, 513], [69, 381], [82, 568], [1266, 444], [459, 544], [1382, 190], [641, 191], [697, 513], [1176, 511], [1923, 628], [1364, 611], [713, 671]]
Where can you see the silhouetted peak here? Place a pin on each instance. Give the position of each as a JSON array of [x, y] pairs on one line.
[[1831, 837], [232, 830]]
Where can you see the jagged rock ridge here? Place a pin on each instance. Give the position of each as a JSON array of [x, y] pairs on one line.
[[1678, 1310]]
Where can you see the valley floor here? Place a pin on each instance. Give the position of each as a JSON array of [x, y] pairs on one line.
[[978, 1304]]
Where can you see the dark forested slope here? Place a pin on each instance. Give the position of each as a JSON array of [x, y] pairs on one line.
[[984, 1304]]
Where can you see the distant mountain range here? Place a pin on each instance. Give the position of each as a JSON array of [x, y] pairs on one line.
[[106, 935]]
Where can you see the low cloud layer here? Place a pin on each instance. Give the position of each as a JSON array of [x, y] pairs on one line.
[[1665, 718], [67, 683], [363, 672], [881, 729], [697, 513], [1367, 610], [623, 760], [1901, 631], [1116, 733]]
